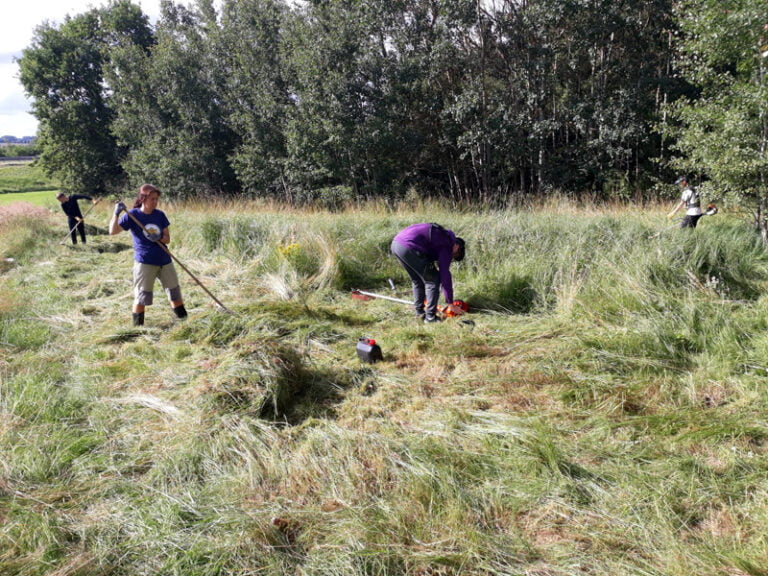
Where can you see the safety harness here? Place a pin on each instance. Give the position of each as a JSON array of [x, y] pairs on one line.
[[693, 200]]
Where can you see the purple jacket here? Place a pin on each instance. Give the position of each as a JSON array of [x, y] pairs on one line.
[[436, 243]]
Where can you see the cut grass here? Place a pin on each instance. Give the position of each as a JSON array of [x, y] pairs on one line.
[[603, 415]]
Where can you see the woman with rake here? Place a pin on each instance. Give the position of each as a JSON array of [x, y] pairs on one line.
[[691, 201], [149, 228]]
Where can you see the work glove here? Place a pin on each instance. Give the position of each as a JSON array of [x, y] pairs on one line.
[[120, 207], [670, 216], [154, 236]]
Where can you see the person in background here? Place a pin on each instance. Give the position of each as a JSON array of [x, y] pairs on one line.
[[71, 208], [418, 248], [690, 199], [149, 228]]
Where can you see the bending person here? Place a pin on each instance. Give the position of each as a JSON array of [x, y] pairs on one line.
[[152, 262], [71, 208], [418, 248]]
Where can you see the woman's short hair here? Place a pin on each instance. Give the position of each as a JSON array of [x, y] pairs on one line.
[[461, 251]]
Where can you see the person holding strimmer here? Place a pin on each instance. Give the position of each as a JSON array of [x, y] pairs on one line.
[[418, 248], [691, 201], [149, 228]]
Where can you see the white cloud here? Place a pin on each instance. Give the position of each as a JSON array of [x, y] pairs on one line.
[[17, 27], [15, 119]]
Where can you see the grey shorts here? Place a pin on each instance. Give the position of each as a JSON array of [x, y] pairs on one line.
[[144, 276]]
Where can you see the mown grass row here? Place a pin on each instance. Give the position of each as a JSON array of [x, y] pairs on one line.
[[604, 414]]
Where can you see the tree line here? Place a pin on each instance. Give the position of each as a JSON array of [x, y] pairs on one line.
[[468, 100]]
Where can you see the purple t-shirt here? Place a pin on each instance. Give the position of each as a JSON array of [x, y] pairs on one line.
[[144, 250], [436, 243]]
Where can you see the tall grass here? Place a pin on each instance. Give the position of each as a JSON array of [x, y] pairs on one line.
[[603, 414]]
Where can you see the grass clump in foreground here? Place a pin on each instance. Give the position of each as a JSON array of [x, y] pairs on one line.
[[603, 415]]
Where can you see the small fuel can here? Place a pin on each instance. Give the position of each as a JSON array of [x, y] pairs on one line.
[[368, 351]]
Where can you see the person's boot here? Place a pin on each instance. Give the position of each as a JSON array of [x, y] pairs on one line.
[[180, 312], [138, 318]]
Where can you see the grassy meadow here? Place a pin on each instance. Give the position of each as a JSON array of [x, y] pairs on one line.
[[602, 413], [23, 177]]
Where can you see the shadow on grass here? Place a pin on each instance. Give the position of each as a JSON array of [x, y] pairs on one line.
[[515, 295], [260, 365], [110, 247]]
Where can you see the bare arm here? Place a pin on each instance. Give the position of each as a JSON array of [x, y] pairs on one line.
[[676, 208], [114, 227]]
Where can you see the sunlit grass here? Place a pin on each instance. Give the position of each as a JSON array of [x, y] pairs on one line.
[[25, 183], [602, 413]]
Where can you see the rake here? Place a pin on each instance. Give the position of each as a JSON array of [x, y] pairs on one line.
[[81, 220], [167, 251], [360, 295]]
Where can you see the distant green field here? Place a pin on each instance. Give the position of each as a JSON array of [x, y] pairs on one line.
[[23, 178], [39, 198]]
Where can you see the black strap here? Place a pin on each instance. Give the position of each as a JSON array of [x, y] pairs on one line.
[[432, 227], [694, 201]]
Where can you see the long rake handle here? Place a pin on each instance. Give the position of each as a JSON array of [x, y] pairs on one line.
[[711, 211], [167, 251]]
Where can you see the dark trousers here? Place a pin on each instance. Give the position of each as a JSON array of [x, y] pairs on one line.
[[425, 278], [690, 221], [75, 227]]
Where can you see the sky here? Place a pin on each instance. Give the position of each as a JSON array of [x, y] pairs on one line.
[[17, 27]]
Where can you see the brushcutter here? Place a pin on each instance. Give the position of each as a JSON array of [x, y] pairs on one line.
[[80, 220], [361, 295], [167, 251], [711, 211]]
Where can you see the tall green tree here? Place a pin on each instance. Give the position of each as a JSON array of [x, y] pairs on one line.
[[335, 132], [578, 89], [64, 73], [251, 52], [722, 133], [437, 95], [378, 88], [169, 105]]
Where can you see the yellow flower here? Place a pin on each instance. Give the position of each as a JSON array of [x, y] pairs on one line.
[[288, 251]]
